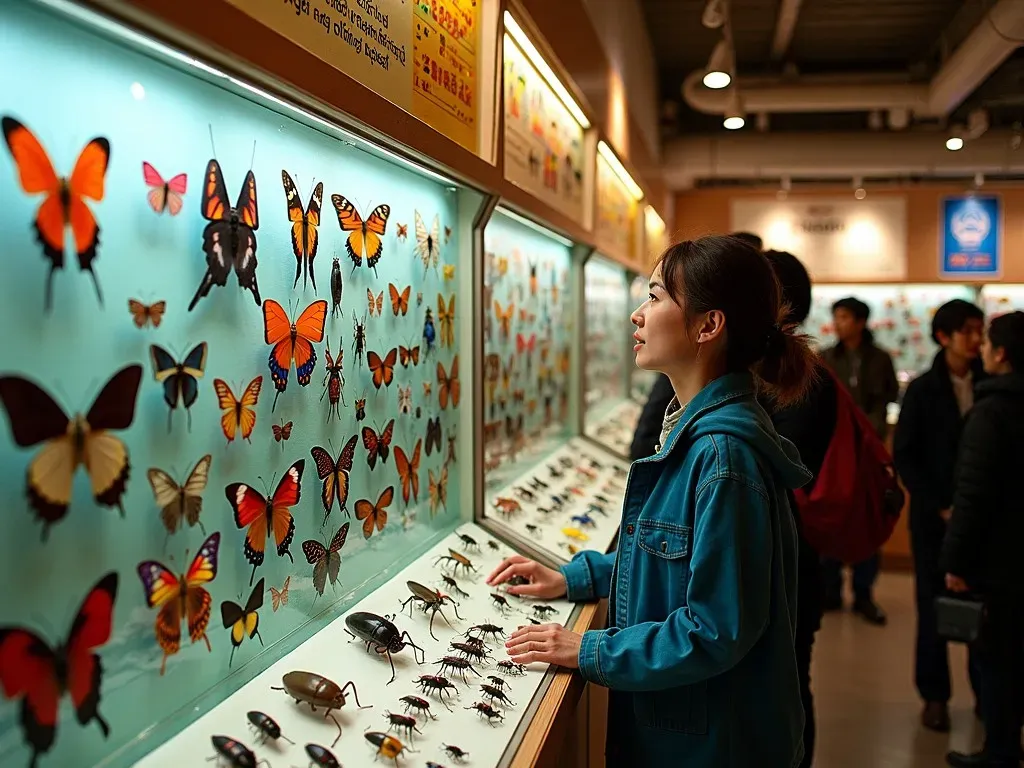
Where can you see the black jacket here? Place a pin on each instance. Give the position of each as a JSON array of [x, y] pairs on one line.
[[928, 435], [983, 541], [652, 417], [869, 376]]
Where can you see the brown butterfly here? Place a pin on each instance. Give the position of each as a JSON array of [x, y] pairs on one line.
[[279, 597], [147, 313], [375, 514], [282, 432], [403, 231]]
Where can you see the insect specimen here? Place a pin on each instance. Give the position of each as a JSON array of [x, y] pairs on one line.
[[380, 634], [318, 691]]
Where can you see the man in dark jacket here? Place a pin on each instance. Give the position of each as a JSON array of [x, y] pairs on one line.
[[924, 451], [981, 550], [867, 371]]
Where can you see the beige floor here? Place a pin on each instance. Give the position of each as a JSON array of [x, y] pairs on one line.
[[863, 681]]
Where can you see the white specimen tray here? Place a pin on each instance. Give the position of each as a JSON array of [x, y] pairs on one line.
[[331, 654], [547, 536]]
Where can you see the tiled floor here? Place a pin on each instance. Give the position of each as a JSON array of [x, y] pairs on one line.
[[866, 703]]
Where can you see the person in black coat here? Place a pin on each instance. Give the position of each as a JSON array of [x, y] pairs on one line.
[[924, 451], [981, 549]]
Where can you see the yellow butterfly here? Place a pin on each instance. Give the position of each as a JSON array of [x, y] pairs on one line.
[[438, 489], [446, 318], [448, 271]]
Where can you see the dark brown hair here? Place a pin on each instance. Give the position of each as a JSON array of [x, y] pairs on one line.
[[725, 273]]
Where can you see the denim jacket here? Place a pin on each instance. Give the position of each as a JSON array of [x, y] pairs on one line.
[[702, 593]]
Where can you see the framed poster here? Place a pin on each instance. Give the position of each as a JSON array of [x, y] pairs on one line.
[[971, 237]]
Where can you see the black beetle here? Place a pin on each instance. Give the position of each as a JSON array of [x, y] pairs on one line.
[[266, 727], [235, 752], [437, 684], [498, 682], [453, 585], [455, 753], [469, 542], [318, 691], [456, 664], [432, 600], [321, 756], [420, 705], [486, 629], [494, 693], [386, 745], [380, 633], [486, 710], [511, 669], [400, 722]]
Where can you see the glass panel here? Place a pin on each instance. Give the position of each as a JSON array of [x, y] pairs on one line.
[[999, 298]]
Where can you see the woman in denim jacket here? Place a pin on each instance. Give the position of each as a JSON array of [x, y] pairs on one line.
[[699, 652]]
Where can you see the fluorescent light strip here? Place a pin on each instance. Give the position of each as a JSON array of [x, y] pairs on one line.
[[654, 221], [516, 33], [535, 226], [606, 152], [164, 51]]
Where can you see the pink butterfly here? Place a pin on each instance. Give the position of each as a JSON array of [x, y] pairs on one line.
[[164, 195]]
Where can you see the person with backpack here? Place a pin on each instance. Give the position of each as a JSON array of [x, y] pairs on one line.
[[925, 449], [699, 650], [866, 371], [981, 548]]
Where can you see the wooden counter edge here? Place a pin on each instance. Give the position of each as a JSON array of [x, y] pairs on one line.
[[565, 689]]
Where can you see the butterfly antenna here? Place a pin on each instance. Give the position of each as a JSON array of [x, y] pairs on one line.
[[253, 158], [212, 145]]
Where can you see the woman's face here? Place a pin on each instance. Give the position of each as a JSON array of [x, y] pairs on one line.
[[661, 337]]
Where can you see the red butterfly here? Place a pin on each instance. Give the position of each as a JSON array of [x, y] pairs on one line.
[[31, 669], [164, 195], [378, 444], [267, 517]]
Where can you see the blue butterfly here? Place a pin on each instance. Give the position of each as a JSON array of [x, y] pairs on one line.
[[180, 380]]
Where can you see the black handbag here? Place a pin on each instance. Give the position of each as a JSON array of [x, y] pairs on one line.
[[960, 617]]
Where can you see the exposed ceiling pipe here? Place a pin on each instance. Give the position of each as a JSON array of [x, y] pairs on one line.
[[984, 49], [785, 25], [749, 155]]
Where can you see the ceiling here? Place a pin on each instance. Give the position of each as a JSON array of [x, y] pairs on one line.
[[849, 37]]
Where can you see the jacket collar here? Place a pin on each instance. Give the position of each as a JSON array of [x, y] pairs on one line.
[[1009, 383], [941, 373]]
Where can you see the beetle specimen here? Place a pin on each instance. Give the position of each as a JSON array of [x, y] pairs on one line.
[[422, 706], [575, 533], [511, 669], [382, 635], [321, 757], [543, 510], [235, 752], [565, 461], [487, 629], [494, 693], [544, 610], [318, 691], [453, 585], [597, 509], [266, 727], [601, 499], [402, 721], [476, 642], [437, 684], [584, 520], [486, 710], [524, 494], [469, 542], [537, 484], [432, 600], [455, 753], [472, 651], [458, 559], [388, 746], [532, 528], [500, 602], [456, 664], [493, 545], [507, 506], [555, 471], [575, 490], [557, 502], [498, 682]]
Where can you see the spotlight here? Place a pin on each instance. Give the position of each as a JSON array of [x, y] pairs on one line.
[[954, 143], [734, 118], [719, 69]]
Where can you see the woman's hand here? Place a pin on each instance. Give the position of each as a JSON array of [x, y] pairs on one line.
[[546, 643], [955, 583], [544, 583]]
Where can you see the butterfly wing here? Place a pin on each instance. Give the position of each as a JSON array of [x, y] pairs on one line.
[[453, 382], [215, 205], [316, 555], [384, 441], [168, 497], [277, 329], [309, 329], [383, 370], [350, 221], [247, 406], [246, 205], [371, 443], [372, 234], [286, 496], [333, 553], [192, 492], [33, 414], [104, 455], [197, 600], [250, 510], [381, 508], [326, 470], [231, 417]]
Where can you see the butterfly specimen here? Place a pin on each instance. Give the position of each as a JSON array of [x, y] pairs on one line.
[[407, 355], [40, 675], [451, 449], [364, 237], [326, 561], [438, 489], [504, 317], [433, 436], [409, 472], [399, 301], [448, 272], [533, 276], [405, 399], [180, 502], [429, 332], [143, 314], [334, 381], [63, 203], [282, 432], [446, 317], [292, 341], [447, 234], [383, 370], [229, 240], [180, 380], [181, 598], [164, 195], [375, 514], [267, 517], [238, 414], [426, 388], [427, 242], [360, 408], [403, 231], [279, 597], [448, 385], [335, 475], [243, 622], [35, 418], [378, 443], [305, 237], [337, 287]]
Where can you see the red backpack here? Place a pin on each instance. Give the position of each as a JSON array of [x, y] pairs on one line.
[[853, 505]]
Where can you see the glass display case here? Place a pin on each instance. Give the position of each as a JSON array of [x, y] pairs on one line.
[[999, 298]]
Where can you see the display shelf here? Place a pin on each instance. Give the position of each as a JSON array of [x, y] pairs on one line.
[[615, 430], [598, 475], [332, 654]]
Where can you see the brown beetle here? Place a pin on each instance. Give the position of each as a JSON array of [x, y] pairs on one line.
[[317, 691], [457, 559]]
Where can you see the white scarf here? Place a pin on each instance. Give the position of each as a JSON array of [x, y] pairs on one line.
[[673, 413]]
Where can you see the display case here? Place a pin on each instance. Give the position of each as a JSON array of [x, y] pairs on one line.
[[999, 298]]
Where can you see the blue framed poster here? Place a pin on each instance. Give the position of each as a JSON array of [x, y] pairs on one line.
[[971, 236]]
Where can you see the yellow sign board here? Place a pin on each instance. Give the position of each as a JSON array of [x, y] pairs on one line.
[[617, 211]]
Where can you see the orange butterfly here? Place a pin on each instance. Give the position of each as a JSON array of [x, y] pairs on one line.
[[448, 385], [305, 237], [143, 313], [446, 318], [238, 413], [409, 472], [403, 231], [375, 514], [292, 341], [383, 370], [504, 317], [376, 303], [279, 597], [399, 301], [63, 205], [409, 354], [438, 489], [378, 444], [364, 236]]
